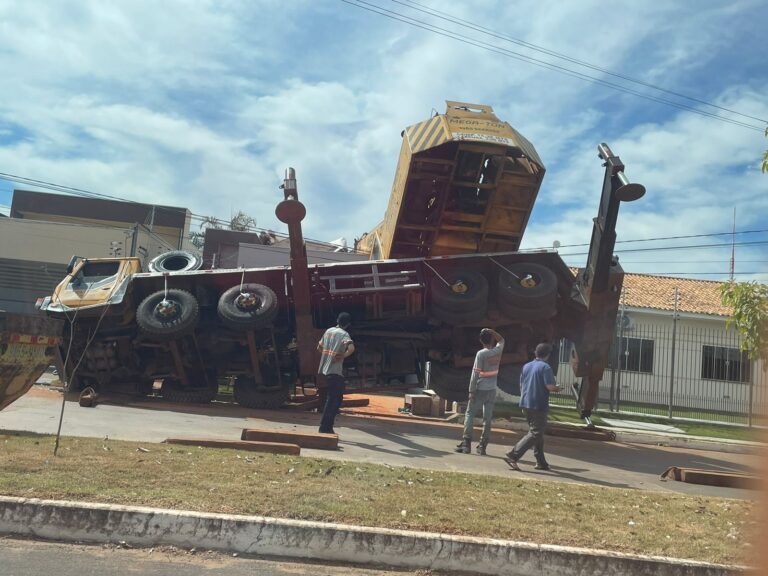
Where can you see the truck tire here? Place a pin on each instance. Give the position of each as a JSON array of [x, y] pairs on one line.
[[253, 306], [259, 397], [462, 318], [173, 391], [475, 297], [162, 318], [175, 261], [534, 287], [526, 314], [450, 383]]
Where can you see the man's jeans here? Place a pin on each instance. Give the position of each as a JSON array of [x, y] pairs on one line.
[[484, 399], [537, 422], [335, 394]]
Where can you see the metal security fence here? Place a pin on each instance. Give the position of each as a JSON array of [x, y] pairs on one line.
[[678, 370]]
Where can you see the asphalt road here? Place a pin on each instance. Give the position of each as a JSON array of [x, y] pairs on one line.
[[397, 443], [29, 558]]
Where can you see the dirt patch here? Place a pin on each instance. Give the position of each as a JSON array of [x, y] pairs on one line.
[[44, 391]]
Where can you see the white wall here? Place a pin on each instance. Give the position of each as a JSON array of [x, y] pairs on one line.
[[53, 242], [691, 389]]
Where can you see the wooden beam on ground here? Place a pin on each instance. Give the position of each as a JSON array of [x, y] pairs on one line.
[[314, 440], [711, 478], [355, 402], [306, 405], [249, 446]]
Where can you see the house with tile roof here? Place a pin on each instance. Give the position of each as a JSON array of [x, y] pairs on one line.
[[673, 347]]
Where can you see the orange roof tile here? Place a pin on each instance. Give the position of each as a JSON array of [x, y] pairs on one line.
[[658, 293]]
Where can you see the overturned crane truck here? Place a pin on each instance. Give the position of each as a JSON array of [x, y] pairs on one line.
[[28, 346], [445, 263]]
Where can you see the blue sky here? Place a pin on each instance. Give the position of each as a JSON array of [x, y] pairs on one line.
[[204, 104]]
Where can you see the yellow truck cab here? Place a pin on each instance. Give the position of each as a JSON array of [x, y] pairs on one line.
[[92, 283]]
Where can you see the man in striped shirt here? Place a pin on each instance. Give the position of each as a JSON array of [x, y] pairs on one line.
[[482, 389], [335, 345]]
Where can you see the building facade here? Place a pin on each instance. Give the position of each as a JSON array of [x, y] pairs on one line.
[[674, 354]]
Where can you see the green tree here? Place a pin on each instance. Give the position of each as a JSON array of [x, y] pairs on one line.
[[749, 302], [765, 156]]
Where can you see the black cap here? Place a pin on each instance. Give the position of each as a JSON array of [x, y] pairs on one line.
[[344, 319]]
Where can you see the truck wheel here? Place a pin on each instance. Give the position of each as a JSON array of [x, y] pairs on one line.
[[534, 287], [463, 318], [518, 313], [175, 261], [253, 306], [468, 290], [450, 383], [173, 391], [249, 395], [167, 318]]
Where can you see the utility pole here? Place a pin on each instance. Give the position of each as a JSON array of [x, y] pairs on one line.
[[672, 360], [733, 244]]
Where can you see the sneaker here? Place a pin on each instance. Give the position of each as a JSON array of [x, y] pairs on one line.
[[511, 461], [480, 449], [541, 466]]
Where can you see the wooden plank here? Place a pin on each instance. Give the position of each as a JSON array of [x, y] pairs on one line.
[[249, 446], [355, 402], [712, 477], [314, 440]]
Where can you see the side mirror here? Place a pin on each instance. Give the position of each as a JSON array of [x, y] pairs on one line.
[[72, 262]]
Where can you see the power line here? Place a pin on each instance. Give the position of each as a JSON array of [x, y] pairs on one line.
[[691, 261], [687, 247], [537, 62], [495, 34], [86, 193], [175, 210], [680, 237]]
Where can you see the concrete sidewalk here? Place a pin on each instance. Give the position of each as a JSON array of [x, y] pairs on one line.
[[146, 527], [409, 443]]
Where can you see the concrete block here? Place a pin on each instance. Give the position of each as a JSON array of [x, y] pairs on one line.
[[420, 404], [249, 446], [314, 440]]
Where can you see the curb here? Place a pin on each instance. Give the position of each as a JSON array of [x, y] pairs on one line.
[[140, 526]]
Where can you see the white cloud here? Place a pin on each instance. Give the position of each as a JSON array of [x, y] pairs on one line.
[[205, 104]]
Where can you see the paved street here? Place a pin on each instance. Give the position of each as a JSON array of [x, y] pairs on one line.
[[29, 558], [397, 443]]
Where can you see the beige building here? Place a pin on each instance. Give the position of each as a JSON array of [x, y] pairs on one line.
[[45, 230]]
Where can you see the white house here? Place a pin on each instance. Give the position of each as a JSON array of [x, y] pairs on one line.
[[679, 353]]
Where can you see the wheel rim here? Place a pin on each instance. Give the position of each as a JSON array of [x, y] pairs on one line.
[[247, 301], [528, 281], [167, 310], [459, 287]]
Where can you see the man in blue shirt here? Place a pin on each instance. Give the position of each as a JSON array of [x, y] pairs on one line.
[[536, 382]]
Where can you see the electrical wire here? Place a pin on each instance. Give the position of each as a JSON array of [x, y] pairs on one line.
[[538, 62], [158, 208], [412, 4], [681, 237]]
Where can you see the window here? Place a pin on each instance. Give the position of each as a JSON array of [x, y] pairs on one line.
[[636, 355], [729, 364]]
